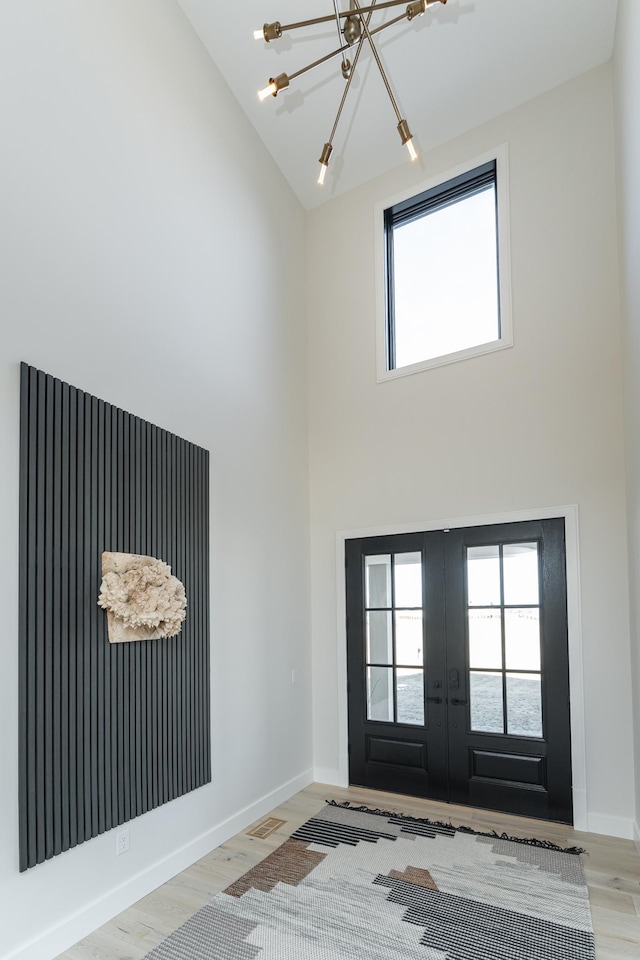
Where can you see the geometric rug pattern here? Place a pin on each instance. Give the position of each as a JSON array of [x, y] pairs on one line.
[[355, 883]]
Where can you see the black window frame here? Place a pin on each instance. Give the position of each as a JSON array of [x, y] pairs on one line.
[[458, 188]]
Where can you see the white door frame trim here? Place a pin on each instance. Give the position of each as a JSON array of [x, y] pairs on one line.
[[574, 621]]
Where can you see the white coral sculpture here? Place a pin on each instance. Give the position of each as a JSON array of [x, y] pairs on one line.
[[145, 596]]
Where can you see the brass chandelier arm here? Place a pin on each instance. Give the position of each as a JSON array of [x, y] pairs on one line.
[[337, 16], [344, 14], [346, 46], [328, 147], [375, 53], [350, 78], [345, 63]]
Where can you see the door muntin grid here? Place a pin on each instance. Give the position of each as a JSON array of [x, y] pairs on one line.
[[395, 637], [503, 614]]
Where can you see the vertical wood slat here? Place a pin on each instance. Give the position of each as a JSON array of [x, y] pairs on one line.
[[173, 766], [156, 676], [111, 532], [73, 625], [40, 674], [23, 606], [98, 639], [65, 699], [175, 669], [91, 620], [106, 732], [129, 810], [58, 703], [141, 514], [47, 640], [165, 646], [205, 601], [84, 595], [77, 583], [119, 652], [104, 472]]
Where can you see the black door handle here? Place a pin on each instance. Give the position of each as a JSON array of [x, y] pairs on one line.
[[434, 699], [458, 703]]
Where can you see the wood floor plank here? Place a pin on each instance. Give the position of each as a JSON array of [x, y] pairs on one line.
[[612, 871], [611, 899]]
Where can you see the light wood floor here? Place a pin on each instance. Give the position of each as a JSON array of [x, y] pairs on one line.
[[612, 869]]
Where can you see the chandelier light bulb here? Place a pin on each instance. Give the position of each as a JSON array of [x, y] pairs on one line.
[[324, 162], [258, 34], [281, 82], [271, 90], [407, 138]]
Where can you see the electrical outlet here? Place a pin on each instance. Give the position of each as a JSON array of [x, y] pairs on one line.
[[294, 675], [122, 841]]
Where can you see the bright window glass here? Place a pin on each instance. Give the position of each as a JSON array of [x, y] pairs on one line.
[[446, 280]]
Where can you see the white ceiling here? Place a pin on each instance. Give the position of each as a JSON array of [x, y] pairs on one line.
[[451, 69]]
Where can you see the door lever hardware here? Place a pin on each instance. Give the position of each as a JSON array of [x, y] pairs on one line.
[[458, 703], [434, 699]]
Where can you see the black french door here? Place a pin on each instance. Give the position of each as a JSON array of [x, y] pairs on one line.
[[458, 666]]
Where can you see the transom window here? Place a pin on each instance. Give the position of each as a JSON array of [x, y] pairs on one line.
[[446, 273]]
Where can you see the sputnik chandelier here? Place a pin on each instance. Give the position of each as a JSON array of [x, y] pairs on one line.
[[353, 29]]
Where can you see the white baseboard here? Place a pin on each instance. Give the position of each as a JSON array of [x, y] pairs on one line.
[[610, 826], [78, 925], [328, 775]]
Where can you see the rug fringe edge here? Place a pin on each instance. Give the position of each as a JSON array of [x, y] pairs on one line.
[[493, 835]]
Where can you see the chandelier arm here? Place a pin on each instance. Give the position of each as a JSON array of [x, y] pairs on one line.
[[350, 78], [346, 13], [335, 53], [316, 63], [388, 23], [374, 51], [345, 62]]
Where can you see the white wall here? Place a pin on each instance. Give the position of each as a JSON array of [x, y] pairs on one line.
[[144, 233], [627, 87], [533, 426]]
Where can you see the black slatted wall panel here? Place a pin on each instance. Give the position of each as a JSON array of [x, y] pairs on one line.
[[107, 732]]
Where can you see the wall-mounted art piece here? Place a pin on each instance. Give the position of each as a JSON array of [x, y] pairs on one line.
[[114, 692], [143, 600]]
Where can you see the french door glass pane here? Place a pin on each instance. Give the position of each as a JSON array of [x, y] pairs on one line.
[[524, 705], [408, 579], [520, 573], [410, 696], [522, 638], [487, 713], [483, 576], [378, 581], [485, 639], [380, 693], [379, 637], [409, 637]]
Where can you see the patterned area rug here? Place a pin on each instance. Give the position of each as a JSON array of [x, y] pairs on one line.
[[380, 886]]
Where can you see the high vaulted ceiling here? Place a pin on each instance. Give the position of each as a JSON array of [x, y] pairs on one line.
[[451, 69]]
